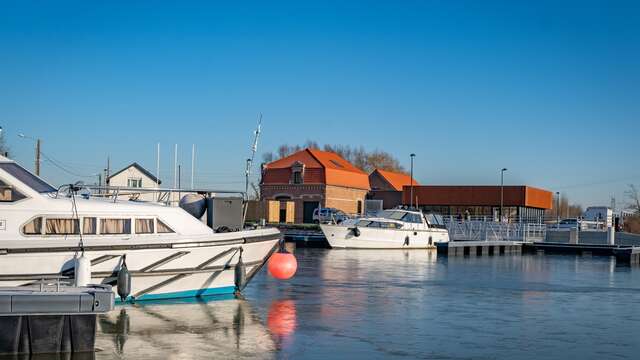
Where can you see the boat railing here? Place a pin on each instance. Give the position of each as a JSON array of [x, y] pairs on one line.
[[479, 230], [167, 196]]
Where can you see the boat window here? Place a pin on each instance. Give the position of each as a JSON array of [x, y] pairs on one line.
[[8, 193], [62, 227], [163, 228], [33, 227], [115, 226], [363, 223], [412, 218], [89, 225], [27, 178], [374, 224], [144, 226], [435, 220], [397, 215], [390, 225]]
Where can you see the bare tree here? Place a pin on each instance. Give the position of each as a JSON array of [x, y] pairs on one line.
[[4, 148], [567, 209], [633, 194], [358, 156]]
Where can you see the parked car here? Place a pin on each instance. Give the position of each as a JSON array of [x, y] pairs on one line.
[[567, 224], [325, 215]]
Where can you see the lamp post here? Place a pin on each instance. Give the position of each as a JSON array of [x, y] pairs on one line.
[[557, 209], [502, 191], [37, 161], [411, 182]]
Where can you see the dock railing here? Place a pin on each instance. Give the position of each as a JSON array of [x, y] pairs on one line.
[[481, 230]]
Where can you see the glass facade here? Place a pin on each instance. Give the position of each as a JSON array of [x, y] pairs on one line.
[[488, 213]]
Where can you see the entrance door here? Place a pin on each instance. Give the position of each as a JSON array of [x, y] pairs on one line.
[[308, 208]]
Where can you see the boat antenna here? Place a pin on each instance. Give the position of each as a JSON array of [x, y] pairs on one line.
[[254, 149], [247, 171]]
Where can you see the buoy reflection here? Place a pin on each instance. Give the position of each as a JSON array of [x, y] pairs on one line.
[[282, 318]]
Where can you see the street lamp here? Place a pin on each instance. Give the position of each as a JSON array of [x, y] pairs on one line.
[[557, 209], [502, 191], [411, 187], [37, 167]]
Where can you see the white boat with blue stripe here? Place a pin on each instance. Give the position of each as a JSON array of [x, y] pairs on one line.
[[167, 252]]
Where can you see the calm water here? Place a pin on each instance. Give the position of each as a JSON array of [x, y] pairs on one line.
[[368, 304]]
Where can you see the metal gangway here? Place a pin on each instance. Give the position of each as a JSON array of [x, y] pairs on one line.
[[487, 230]]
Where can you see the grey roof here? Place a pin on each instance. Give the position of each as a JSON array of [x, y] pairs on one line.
[[141, 169]]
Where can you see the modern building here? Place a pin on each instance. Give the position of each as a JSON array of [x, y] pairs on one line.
[[520, 203], [294, 186], [386, 186], [135, 176]]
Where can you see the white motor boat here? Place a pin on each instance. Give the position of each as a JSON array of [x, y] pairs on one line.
[[389, 229], [167, 252]]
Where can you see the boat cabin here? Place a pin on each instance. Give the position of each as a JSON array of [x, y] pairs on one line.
[[402, 219]]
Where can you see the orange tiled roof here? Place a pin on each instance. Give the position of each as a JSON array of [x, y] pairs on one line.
[[397, 180], [337, 171]]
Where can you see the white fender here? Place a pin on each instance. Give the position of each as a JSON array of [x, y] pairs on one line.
[[82, 271]]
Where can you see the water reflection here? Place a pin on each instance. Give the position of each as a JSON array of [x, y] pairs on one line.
[[196, 329], [281, 319], [62, 356]]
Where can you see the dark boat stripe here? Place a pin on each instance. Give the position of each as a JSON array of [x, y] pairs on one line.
[[249, 240]]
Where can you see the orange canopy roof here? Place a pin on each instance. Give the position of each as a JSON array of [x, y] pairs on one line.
[[396, 180], [337, 171]]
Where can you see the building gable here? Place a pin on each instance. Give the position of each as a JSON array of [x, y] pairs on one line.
[[142, 171], [320, 167], [388, 180]]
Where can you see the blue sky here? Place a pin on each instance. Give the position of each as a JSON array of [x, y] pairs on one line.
[[547, 89]]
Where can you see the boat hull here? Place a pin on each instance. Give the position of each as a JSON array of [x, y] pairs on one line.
[[160, 271], [344, 237]]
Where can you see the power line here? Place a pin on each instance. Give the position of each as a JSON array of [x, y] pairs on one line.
[[58, 165]]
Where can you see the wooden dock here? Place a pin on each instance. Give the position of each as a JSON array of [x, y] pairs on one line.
[[479, 248]]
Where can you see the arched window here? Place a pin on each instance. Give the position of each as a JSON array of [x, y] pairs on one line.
[[297, 173]]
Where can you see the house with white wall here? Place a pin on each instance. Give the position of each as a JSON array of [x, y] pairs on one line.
[[135, 176]]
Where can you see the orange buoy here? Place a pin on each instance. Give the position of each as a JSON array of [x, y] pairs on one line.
[[282, 265], [281, 319]]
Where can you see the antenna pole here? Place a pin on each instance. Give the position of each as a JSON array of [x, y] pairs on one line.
[[175, 166], [157, 170], [247, 171], [193, 162]]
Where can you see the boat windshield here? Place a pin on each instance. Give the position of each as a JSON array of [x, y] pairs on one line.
[[434, 219], [401, 215], [392, 214], [27, 178]]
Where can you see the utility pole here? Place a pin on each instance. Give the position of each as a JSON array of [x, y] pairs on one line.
[[38, 157], [179, 175], [108, 171]]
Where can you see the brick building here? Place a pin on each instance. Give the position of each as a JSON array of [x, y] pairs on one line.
[[520, 203], [294, 186], [387, 187]]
